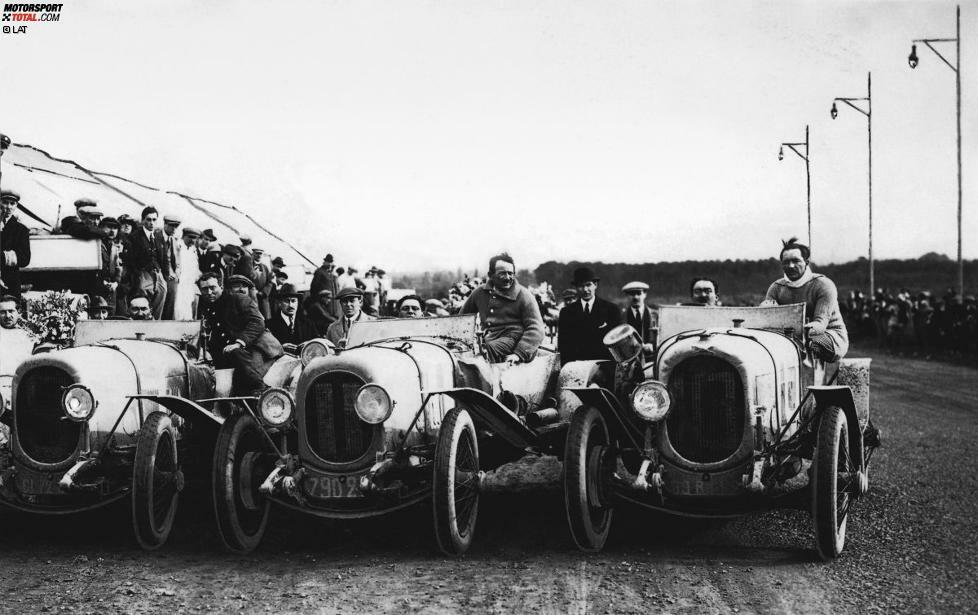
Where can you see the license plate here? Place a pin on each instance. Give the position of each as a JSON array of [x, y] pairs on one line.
[[331, 487], [35, 483]]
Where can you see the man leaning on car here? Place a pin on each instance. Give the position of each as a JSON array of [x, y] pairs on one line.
[[509, 314], [237, 335]]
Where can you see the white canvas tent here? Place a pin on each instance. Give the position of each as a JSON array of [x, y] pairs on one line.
[[49, 186]]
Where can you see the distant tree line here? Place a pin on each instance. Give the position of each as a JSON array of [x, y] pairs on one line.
[[742, 282]]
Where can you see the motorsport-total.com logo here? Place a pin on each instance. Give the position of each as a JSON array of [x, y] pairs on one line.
[[16, 17]]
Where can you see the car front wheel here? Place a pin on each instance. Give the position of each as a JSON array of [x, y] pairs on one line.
[[834, 479], [241, 463], [586, 459], [156, 482], [456, 483]]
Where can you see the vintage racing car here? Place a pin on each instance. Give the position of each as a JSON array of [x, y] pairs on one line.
[[120, 414], [408, 411], [731, 416]]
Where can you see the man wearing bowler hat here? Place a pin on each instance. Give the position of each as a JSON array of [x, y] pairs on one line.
[[583, 323], [288, 324], [15, 244], [351, 302], [325, 278]]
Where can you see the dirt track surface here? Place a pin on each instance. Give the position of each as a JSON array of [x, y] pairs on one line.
[[911, 547]]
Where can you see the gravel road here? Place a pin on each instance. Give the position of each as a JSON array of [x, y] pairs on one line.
[[912, 546]]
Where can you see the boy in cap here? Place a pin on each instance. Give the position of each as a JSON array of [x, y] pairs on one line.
[[15, 244]]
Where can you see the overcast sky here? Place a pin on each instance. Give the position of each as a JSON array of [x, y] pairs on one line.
[[412, 134]]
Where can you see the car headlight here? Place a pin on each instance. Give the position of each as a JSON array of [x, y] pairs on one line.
[[373, 404], [78, 402], [651, 401], [276, 407], [313, 349]]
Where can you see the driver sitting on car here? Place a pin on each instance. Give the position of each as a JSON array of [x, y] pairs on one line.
[[509, 314]]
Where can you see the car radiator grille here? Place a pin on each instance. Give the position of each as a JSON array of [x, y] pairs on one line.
[[333, 429], [707, 420], [44, 433]]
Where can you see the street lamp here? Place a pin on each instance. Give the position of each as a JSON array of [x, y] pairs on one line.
[[808, 175], [858, 104], [913, 60]]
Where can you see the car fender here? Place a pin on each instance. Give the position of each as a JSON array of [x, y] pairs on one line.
[[578, 375], [493, 415], [841, 396], [608, 405], [189, 411]]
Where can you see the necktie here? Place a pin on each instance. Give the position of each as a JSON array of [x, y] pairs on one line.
[[587, 309]]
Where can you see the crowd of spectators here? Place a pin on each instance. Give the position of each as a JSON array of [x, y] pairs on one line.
[[916, 322]]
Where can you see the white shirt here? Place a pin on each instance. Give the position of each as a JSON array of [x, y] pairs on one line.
[[587, 305]]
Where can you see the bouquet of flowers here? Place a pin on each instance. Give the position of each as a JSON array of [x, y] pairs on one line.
[[52, 317]]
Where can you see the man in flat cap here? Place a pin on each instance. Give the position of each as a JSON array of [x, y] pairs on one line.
[[583, 324], [185, 306], [173, 254], [146, 261], [15, 244], [509, 314], [325, 278], [237, 335], [111, 272], [230, 255], [264, 282], [209, 253], [84, 224], [98, 309], [351, 302], [288, 324], [638, 314]]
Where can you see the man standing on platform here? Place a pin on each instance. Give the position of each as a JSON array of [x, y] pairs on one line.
[[15, 244], [147, 262], [583, 324], [173, 254]]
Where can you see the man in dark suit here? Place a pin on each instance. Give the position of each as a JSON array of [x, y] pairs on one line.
[[146, 261], [237, 335], [288, 324], [638, 314], [15, 245], [583, 324], [208, 252]]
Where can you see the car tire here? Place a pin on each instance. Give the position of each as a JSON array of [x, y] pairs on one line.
[[589, 513], [830, 499], [156, 481], [455, 501], [240, 461]]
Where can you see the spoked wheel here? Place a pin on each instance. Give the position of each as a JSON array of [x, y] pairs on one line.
[[156, 481], [834, 481], [456, 483], [241, 463], [586, 472]]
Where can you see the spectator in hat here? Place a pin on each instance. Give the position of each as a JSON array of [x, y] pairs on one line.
[[264, 282], [237, 335], [583, 324], [703, 291], [15, 244], [173, 253], [240, 285], [351, 302], [325, 277], [208, 252], [638, 314], [288, 324], [410, 306], [279, 278], [316, 309], [509, 314], [230, 255], [146, 261], [84, 223], [185, 305], [139, 308], [98, 309], [111, 272], [245, 265], [126, 224], [434, 308]]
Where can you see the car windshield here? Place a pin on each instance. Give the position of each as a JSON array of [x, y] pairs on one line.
[[675, 319], [462, 328]]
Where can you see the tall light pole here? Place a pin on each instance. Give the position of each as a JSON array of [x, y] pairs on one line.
[[913, 60], [857, 104], [808, 175]]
